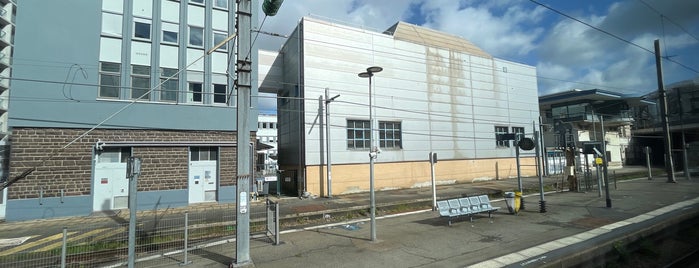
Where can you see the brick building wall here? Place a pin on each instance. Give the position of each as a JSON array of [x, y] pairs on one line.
[[162, 168]]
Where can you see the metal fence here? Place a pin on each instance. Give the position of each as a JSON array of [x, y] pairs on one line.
[[163, 240]]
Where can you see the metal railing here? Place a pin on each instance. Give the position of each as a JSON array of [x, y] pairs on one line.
[[162, 240]]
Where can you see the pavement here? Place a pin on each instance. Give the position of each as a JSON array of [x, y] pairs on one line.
[[577, 227]]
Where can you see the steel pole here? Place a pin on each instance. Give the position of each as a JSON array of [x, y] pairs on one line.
[[606, 163], [327, 142], [647, 151], [667, 140], [243, 161], [434, 184], [372, 155], [542, 202]]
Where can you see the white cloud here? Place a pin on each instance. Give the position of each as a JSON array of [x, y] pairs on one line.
[[507, 34]]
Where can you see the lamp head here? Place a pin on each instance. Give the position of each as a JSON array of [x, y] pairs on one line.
[[374, 69], [366, 74]]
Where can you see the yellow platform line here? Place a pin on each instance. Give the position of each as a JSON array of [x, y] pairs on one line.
[[113, 232], [33, 244], [71, 239]]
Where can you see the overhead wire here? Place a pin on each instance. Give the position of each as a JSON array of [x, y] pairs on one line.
[[610, 34]]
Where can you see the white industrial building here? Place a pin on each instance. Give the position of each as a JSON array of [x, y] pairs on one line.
[[437, 93]]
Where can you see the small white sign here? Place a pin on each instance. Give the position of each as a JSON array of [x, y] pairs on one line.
[[271, 178]]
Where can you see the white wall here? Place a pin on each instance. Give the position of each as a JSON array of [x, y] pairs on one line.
[[447, 101]]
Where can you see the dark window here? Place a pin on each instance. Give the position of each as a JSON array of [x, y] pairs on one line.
[[390, 135], [109, 80], [141, 30], [499, 141], [203, 153], [169, 84], [140, 82], [195, 92], [358, 134], [220, 93], [196, 36]]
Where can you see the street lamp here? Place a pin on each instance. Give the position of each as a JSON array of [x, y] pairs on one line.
[[372, 150]]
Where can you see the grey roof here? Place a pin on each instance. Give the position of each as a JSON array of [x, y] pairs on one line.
[[428, 37]]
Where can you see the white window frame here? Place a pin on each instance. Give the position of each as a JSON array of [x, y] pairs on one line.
[[215, 94], [189, 37], [194, 2], [191, 94], [167, 27], [395, 141], [354, 131], [224, 47], [135, 76], [216, 4], [165, 74], [150, 29], [116, 75]]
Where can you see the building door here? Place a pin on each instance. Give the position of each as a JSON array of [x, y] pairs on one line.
[[110, 185], [203, 174]]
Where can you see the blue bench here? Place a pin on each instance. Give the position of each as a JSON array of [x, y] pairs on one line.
[[465, 206]]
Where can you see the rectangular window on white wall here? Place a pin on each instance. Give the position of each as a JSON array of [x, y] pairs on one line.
[[110, 75], [218, 38], [170, 33], [140, 82], [221, 4], [169, 84], [199, 2], [195, 92], [141, 29], [196, 36], [220, 92], [111, 24]]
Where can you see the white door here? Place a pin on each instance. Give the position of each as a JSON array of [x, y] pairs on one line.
[[110, 185], [3, 200], [203, 175]]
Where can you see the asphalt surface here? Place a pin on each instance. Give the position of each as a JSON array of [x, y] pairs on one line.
[[574, 226]]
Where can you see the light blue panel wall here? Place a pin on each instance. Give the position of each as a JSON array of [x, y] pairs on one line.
[[75, 206], [226, 194], [55, 42], [162, 199], [30, 209]]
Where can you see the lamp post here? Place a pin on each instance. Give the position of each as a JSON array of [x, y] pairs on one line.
[[372, 150]]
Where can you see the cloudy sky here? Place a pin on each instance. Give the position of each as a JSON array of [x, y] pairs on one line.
[[567, 53]]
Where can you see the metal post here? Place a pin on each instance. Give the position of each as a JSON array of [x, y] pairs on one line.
[[276, 224], [605, 163], [327, 139], [647, 151], [519, 174], [542, 202], [667, 141], [64, 247], [372, 151], [372, 155], [185, 251], [321, 146], [599, 180], [685, 161], [243, 161], [434, 184], [133, 170]]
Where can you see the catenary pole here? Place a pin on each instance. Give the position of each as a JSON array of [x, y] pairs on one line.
[[662, 98]]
